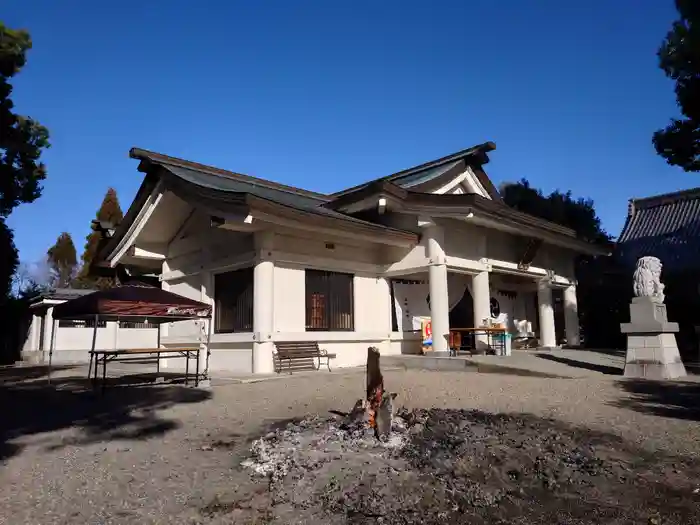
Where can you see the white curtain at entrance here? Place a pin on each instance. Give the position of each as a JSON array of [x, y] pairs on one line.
[[411, 304], [411, 300]]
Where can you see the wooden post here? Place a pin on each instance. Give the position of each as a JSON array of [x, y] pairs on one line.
[[375, 384]]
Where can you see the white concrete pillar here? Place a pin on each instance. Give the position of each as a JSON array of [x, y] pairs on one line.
[[165, 285], [34, 333], [439, 298], [263, 305], [571, 325], [481, 294], [548, 337], [48, 323]]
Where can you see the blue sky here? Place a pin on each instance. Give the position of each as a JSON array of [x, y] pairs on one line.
[[327, 94]]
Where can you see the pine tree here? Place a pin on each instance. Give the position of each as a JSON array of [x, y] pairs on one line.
[[63, 261], [22, 141], [110, 211], [679, 57]]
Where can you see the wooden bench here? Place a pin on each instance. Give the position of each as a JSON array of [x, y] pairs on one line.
[[136, 354], [301, 354]]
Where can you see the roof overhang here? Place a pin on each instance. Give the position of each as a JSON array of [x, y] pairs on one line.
[[479, 210], [275, 213], [498, 215], [413, 178], [229, 210]]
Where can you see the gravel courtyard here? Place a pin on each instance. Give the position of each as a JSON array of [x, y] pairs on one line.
[[171, 454]]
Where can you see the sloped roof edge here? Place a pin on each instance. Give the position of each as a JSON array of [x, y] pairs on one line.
[[479, 150]]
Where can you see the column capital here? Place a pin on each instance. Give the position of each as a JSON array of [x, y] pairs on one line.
[[426, 222], [544, 282], [265, 255], [264, 239]]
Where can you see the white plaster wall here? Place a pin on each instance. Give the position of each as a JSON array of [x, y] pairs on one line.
[[560, 260], [232, 358], [137, 337], [465, 241], [372, 303], [73, 344], [289, 309], [415, 257], [311, 247], [31, 342], [232, 353], [191, 287], [503, 246]]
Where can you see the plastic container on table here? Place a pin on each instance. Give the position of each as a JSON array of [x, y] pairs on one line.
[[505, 346], [508, 346]]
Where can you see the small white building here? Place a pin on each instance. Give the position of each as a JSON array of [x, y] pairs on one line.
[[74, 338], [349, 270]]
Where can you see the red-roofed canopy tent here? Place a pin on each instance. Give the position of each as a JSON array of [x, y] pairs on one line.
[[132, 303]]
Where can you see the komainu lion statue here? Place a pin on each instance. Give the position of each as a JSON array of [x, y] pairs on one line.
[[647, 278]]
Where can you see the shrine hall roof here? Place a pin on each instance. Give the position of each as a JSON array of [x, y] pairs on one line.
[[665, 226]]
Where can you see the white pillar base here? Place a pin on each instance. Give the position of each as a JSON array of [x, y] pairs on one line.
[[263, 362]]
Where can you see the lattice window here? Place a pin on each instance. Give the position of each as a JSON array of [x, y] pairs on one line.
[[329, 301], [233, 301]]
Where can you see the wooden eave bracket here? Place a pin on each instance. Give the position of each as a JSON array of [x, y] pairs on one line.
[[531, 248]]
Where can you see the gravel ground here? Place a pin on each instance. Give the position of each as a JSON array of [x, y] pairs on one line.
[[172, 454]]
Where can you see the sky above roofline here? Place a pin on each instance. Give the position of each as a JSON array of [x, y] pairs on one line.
[[325, 95]]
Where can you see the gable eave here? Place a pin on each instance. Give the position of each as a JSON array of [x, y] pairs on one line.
[[477, 154]]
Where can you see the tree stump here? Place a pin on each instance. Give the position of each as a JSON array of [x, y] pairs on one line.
[[375, 385]]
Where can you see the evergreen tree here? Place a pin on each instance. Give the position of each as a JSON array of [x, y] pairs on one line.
[[600, 315], [22, 141], [9, 260], [679, 57], [560, 208], [63, 261], [110, 212]]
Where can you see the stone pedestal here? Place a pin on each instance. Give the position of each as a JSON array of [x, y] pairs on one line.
[[652, 352]]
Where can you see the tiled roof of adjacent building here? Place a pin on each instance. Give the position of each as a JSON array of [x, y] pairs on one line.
[[665, 226], [61, 294]]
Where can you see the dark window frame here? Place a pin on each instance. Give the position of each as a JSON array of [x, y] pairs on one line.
[[81, 323], [137, 325], [330, 296], [233, 290]]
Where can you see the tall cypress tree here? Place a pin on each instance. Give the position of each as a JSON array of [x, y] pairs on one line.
[[22, 140], [110, 211], [63, 261]]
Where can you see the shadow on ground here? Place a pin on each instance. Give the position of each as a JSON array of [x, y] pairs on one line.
[[679, 400], [127, 410], [575, 363]]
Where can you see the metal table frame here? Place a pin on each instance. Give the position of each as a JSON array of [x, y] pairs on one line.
[[474, 332], [136, 354]]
